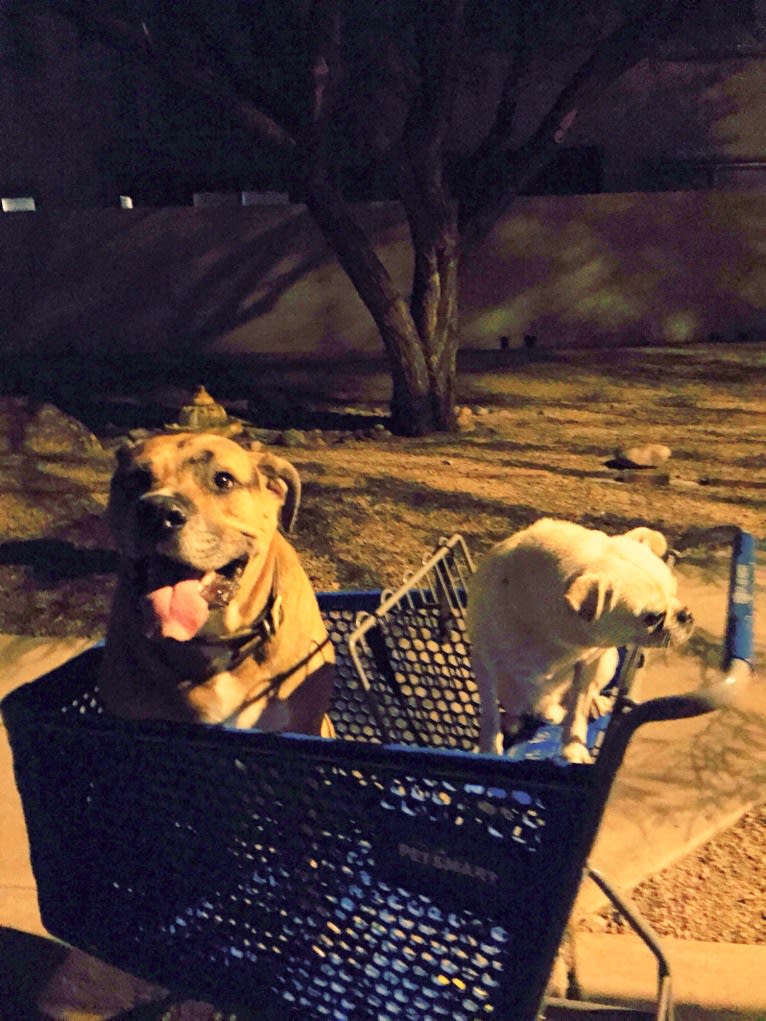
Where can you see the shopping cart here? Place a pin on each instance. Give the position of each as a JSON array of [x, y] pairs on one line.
[[391, 873]]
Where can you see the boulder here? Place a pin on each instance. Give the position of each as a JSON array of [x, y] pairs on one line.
[[38, 429], [293, 438], [650, 455]]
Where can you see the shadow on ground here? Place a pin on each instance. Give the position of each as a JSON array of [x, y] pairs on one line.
[[55, 560]]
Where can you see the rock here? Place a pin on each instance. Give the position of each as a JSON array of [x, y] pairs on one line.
[[39, 429], [293, 438], [268, 437], [464, 419], [650, 455], [136, 435]]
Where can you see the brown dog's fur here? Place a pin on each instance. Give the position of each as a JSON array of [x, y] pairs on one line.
[[196, 520]]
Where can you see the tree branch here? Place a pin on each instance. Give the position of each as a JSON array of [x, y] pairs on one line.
[[441, 50], [373, 283], [324, 81], [137, 39], [418, 159], [440, 38], [500, 132], [352, 246], [616, 53]]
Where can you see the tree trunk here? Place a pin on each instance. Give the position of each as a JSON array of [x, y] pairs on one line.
[[422, 382], [418, 163], [434, 307]]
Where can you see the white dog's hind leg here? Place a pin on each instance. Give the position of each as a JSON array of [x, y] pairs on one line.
[[599, 706], [490, 734]]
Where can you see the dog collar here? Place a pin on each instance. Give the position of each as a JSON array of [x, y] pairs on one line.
[[227, 652]]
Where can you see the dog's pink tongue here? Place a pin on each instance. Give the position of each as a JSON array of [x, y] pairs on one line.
[[177, 611]]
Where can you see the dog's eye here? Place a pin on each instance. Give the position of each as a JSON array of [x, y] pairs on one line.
[[653, 620], [224, 480]]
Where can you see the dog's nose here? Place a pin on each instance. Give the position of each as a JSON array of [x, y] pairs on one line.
[[160, 515], [685, 616]]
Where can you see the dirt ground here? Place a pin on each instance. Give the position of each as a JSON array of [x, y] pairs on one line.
[[536, 440], [717, 894]]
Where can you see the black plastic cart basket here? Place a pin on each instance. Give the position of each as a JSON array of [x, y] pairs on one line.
[[391, 873]]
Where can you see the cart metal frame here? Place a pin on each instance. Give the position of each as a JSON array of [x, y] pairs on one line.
[[357, 879]]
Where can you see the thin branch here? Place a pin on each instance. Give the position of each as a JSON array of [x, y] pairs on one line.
[[208, 32], [138, 40], [418, 159], [440, 40], [500, 132], [441, 53], [325, 75]]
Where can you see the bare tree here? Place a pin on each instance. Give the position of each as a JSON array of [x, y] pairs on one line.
[[298, 75]]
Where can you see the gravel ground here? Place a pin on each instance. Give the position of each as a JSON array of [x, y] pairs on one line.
[[717, 894]]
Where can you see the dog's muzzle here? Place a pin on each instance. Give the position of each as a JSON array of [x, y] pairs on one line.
[[678, 626], [159, 516]]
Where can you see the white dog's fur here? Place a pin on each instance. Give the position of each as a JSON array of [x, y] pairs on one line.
[[548, 609]]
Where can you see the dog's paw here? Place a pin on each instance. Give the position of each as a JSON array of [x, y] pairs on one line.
[[575, 751], [550, 710]]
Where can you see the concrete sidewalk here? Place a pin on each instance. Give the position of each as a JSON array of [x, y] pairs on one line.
[[681, 783], [711, 981]]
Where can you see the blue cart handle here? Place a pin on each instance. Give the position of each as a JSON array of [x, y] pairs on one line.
[[738, 643]]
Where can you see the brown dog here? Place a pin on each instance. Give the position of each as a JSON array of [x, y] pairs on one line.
[[214, 619]]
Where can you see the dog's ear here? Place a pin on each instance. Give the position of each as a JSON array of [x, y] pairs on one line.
[[282, 478], [655, 540], [589, 595], [123, 455]]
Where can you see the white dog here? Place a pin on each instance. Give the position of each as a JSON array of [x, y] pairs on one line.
[[547, 610]]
